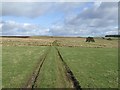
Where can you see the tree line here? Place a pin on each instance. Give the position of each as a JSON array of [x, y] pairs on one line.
[[112, 35]]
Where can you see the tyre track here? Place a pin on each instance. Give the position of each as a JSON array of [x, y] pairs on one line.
[[31, 83], [33, 78], [70, 74], [63, 80]]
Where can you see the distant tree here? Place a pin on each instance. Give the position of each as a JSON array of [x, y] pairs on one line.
[[112, 35]]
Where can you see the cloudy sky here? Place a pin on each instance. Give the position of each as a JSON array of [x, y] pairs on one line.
[[59, 18]]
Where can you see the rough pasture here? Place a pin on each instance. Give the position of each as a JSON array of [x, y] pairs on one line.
[[61, 41]]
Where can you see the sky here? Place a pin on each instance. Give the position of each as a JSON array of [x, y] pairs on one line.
[[58, 18]]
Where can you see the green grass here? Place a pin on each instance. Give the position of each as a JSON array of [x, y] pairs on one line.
[[0, 67], [52, 74], [18, 64], [47, 73], [93, 67]]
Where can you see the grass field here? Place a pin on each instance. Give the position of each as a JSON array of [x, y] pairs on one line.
[[94, 65], [0, 67], [18, 63]]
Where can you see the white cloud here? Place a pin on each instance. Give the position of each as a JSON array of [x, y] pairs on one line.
[[98, 20], [35, 9], [59, 0], [111, 32], [1, 26], [97, 4], [30, 10], [15, 28]]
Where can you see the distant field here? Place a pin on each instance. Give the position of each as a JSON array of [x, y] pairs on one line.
[[61, 41], [39, 62]]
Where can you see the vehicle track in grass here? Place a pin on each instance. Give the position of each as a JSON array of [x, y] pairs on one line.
[[62, 80], [33, 78], [69, 73], [64, 73]]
